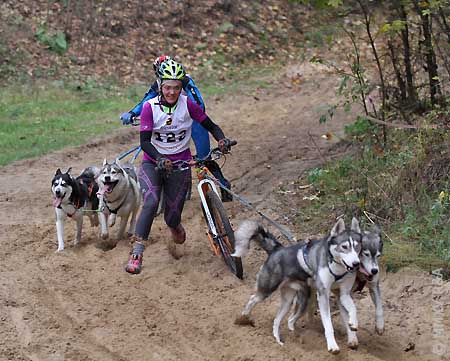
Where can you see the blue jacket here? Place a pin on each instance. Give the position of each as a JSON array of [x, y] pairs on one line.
[[188, 85]]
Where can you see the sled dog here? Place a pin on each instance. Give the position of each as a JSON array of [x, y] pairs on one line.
[[73, 198], [323, 262], [119, 195], [368, 273]]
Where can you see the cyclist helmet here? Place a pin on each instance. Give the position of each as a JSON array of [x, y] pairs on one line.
[[158, 61], [171, 70]]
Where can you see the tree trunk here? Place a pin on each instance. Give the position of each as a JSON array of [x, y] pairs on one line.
[[430, 55], [412, 94], [398, 74]]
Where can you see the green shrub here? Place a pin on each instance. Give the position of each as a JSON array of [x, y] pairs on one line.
[[54, 41]]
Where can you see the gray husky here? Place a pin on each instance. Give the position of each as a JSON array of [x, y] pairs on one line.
[[368, 273], [324, 262], [119, 194]]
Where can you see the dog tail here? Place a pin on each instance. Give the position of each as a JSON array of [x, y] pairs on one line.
[[250, 230]]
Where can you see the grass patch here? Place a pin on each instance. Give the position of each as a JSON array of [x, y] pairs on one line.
[[48, 116], [45, 118], [245, 79]]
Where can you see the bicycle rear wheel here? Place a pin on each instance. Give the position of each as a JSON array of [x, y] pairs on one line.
[[225, 232]]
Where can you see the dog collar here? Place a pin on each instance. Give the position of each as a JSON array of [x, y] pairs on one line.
[[336, 277]]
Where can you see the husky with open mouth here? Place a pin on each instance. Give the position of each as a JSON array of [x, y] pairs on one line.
[[119, 194], [73, 198], [325, 262], [368, 274]]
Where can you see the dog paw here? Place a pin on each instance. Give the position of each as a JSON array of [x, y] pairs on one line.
[[332, 346], [291, 326], [59, 250], [379, 330], [244, 320], [334, 350], [353, 344], [280, 342]]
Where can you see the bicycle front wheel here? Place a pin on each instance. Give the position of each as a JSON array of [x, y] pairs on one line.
[[225, 233]]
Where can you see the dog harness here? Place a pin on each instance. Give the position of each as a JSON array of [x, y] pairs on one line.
[[75, 203], [79, 202], [114, 211], [336, 277], [303, 259]]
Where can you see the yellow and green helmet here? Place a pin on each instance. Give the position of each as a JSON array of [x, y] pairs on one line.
[[171, 70]]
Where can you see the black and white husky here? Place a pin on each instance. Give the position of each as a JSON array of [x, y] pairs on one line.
[[331, 260], [73, 198], [119, 195]]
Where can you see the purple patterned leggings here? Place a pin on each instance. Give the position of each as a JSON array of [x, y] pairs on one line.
[[175, 186]]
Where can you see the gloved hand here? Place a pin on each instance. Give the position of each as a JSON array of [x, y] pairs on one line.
[[224, 145], [164, 164], [127, 118]]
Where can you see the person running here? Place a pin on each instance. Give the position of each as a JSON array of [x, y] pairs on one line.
[[165, 130], [200, 135]]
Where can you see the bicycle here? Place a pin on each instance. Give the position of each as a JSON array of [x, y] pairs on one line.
[[220, 232]]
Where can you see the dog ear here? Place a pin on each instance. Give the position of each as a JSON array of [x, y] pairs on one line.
[[58, 172], [338, 228], [105, 162], [117, 161], [355, 226], [69, 170]]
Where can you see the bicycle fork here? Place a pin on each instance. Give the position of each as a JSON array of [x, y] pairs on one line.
[[213, 233]]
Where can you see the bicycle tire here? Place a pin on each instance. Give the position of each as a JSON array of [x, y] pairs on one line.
[[225, 232]]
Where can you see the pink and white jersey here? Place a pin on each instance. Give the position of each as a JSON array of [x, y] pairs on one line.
[[171, 133]]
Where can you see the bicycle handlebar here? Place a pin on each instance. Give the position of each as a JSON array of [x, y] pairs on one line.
[[217, 151], [185, 164]]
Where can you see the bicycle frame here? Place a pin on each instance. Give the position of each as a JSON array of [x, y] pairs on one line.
[[202, 188]]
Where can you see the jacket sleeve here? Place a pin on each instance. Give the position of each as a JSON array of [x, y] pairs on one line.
[[213, 128], [147, 146], [151, 93], [193, 92]]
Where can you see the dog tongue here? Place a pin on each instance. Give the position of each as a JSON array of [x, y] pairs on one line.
[[105, 189], [57, 202], [364, 271]]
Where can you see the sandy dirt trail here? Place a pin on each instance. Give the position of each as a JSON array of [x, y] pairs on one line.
[[80, 305]]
